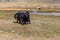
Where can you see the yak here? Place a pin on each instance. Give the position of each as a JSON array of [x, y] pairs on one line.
[[22, 17]]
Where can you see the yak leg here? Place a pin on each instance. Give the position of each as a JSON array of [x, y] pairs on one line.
[[28, 20], [17, 21]]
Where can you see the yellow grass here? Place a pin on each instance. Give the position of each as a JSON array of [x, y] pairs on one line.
[[41, 27]]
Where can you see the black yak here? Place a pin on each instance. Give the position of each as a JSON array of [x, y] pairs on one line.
[[22, 17]]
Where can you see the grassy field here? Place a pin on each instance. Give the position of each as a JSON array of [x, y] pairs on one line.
[[41, 27]]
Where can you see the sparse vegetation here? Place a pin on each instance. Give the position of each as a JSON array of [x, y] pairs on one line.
[[41, 27]]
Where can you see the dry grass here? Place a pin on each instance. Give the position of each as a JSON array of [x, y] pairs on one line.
[[41, 28]]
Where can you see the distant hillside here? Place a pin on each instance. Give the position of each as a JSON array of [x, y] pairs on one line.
[[35, 1], [29, 3]]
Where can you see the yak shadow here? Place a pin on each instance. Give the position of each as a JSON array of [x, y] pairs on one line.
[[21, 23], [14, 22]]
